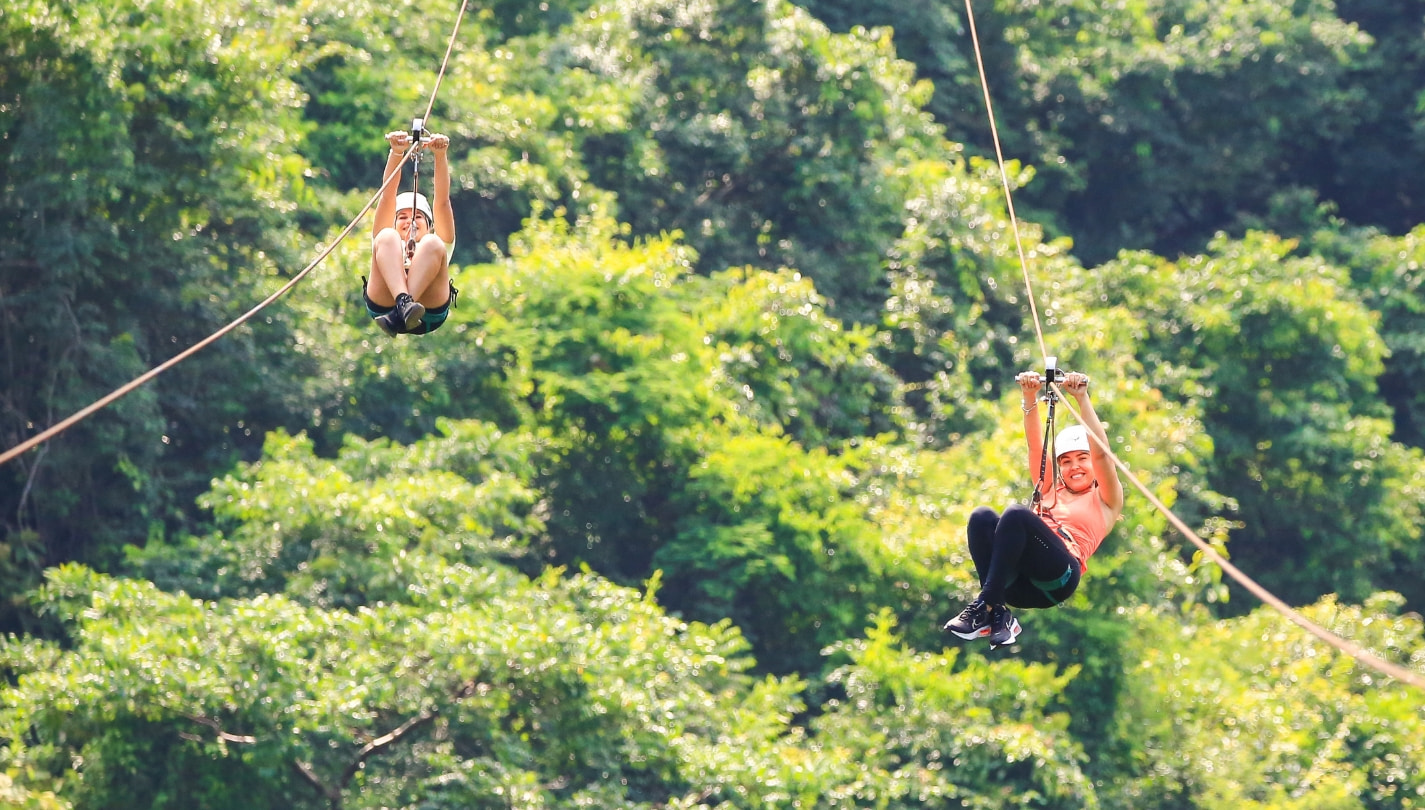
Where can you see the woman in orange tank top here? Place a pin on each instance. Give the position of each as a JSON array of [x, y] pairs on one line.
[[1034, 558]]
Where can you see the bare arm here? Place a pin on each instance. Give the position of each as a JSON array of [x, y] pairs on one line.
[[1029, 384], [1110, 489], [444, 225], [386, 206]]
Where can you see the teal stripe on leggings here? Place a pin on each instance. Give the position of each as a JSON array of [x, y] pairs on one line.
[[1049, 586]]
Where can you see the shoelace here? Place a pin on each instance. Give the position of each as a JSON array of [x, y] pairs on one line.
[[971, 609]]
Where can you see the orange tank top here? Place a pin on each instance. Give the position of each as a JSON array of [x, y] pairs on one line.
[[1082, 518]]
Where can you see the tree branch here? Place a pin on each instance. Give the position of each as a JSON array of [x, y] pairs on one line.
[[385, 741], [33, 473], [245, 739], [375, 746], [305, 771]]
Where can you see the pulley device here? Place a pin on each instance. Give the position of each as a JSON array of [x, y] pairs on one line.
[[420, 136]]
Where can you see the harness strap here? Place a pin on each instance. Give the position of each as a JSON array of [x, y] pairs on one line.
[[418, 137], [1047, 587], [1048, 442]]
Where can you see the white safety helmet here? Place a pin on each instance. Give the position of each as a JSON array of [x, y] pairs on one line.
[[1071, 439], [403, 203]]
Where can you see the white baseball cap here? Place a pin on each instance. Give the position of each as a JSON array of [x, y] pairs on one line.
[[1071, 439], [404, 202]]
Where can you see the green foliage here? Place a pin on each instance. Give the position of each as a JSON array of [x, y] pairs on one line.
[[954, 311], [366, 68], [768, 535], [19, 798], [738, 326], [983, 735], [558, 692], [1284, 358], [613, 382], [1254, 713], [1370, 172], [1387, 273], [933, 36], [342, 532], [556, 689], [767, 140], [1157, 123], [788, 366], [145, 185]]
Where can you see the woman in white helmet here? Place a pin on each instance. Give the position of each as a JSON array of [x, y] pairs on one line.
[[410, 290], [1034, 557]]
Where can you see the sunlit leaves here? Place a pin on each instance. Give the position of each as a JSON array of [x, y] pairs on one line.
[[766, 529], [573, 682], [350, 531], [938, 731], [784, 362], [558, 690], [1268, 716]]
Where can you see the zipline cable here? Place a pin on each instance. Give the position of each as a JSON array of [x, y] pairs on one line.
[[129, 387], [1004, 180], [450, 46], [1347, 647]]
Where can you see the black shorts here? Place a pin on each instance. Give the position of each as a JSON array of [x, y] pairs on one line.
[[431, 321]]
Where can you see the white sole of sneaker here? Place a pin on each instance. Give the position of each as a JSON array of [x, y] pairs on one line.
[[973, 634], [1014, 631]]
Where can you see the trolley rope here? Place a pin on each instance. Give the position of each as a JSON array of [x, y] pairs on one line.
[[1004, 180], [1345, 646], [445, 60], [149, 375]]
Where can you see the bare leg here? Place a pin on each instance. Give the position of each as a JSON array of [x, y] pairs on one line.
[[388, 273], [429, 278]]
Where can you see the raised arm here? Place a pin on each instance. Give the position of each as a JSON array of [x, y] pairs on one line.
[[444, 225], [1029, 384], [1110, 489], [386, 206]]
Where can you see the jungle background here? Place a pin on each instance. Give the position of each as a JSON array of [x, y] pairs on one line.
[[670, 513]]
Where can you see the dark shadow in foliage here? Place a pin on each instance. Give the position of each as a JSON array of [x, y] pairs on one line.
[[127, 239], [781, 178]]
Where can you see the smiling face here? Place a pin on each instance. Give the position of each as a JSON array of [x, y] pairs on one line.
[[403, 224], [1076, 470]]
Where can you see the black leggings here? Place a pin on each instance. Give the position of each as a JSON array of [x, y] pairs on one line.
[[1020, 560]]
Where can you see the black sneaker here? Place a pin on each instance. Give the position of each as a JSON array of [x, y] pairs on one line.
[[973, 621], [1004, 628], [390, 323], [411, 311]]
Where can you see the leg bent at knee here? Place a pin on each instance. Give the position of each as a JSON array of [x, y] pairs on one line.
[[431, 246], [1018, 515], [387, 239], [983, 518]]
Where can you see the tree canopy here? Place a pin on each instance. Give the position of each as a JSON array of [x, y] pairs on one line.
[[670, 513]]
